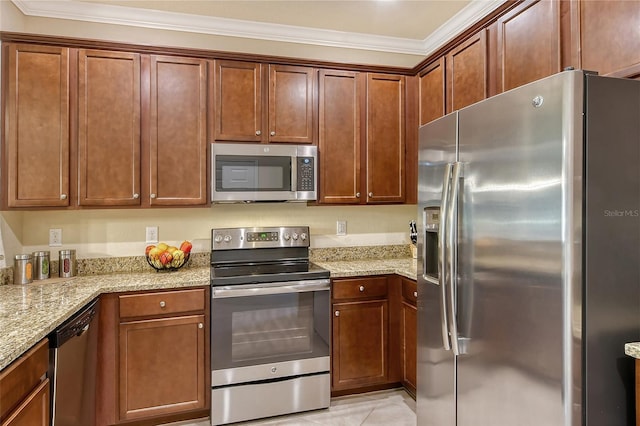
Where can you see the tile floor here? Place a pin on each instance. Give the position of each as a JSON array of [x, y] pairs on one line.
[[393, 407]]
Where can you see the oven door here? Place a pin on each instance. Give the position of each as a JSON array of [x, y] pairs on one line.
[[269, 331]]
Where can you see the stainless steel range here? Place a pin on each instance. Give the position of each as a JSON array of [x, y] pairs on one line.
[[270, 324]]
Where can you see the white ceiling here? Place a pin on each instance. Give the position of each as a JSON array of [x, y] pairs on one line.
[[413, 27]]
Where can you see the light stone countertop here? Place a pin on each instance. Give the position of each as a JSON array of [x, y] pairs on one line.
[[28, 313], [632, 349]]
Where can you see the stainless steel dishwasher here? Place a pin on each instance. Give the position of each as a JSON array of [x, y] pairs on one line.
[[72, 368]]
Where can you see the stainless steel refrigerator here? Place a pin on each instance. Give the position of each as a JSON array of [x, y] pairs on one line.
[[529, 257]]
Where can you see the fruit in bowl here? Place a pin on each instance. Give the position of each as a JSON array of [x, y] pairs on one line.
[[165, 257]]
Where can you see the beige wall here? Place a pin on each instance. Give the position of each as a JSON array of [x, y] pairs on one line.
[[104, 233]]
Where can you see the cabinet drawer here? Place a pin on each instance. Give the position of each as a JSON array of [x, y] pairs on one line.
[[409, 291], [161, 303], [22, 376], [360, 288]]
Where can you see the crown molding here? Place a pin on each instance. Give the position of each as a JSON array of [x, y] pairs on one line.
[[120, 15]]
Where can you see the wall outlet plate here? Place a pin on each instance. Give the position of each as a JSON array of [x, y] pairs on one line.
[[341, 227], [152, 234], [55, 237]]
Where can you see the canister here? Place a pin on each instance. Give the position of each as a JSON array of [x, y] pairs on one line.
[[67, 263], [23, 269], [41, 265]]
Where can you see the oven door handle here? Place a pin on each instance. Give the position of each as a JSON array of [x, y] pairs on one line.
[[247, 290]]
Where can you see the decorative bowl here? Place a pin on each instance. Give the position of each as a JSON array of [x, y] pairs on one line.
[[168, 258]]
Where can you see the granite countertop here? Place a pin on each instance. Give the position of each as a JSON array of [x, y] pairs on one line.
[[28, 313], [632, 349]]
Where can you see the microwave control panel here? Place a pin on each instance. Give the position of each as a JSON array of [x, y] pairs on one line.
[[306, 173]]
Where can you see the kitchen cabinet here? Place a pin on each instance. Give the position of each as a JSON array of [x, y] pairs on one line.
[[24, 389], [257, 102], [432, 91], [408, 327], [178, 131], [174, 383], [360, 334], [36, 149], [108, 128], [528, 43], [339, 138]]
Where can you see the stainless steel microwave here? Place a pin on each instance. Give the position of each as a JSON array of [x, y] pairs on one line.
[[263, 172]]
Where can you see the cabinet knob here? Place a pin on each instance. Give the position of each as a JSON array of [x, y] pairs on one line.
[[162, 304], [200, 325], [136, 195], [357, 195], [361, 288], [273, 133], [258, 132], [63, 196], [371, 194], [415, 294], [152, 195], [336, 313]]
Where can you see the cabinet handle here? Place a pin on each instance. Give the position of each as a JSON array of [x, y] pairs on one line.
[[336, 313], [273, 133], [136, 195], [162, 304], [200, 325], [415, 294], [357, 195], [371, 194], [258, 132], [153, 195], [63, 196], [361, 288]]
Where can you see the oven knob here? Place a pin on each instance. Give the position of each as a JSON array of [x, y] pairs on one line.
[[274, 369], [295, 236], [286, 237], [218, 238], [303, 236], [227, 238]]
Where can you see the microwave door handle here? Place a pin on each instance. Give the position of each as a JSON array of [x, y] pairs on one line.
[[294, 174], [442, 251]]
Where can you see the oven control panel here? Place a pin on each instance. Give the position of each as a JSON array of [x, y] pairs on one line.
[[271, 237]]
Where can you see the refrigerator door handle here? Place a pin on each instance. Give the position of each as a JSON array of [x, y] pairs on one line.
[[442, 264], [450, 255]]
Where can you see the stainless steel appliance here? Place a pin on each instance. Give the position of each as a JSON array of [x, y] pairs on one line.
[[72, 368], [270, 324], [529, 243], [263, 172]]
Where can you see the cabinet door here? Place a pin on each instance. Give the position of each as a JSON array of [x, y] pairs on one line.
[[339, 137], [432, 91], [385, 138], [108, 128], [291, 104], [178, 131], [607, 46], [409, 333], [360, 344], [528, 43], [37, 126], [162, 366], [34, 410], [238, 101], [467, 72]]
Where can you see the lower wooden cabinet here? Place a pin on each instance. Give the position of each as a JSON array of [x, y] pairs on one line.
[[24, 389], [154, 365], [408, 326]]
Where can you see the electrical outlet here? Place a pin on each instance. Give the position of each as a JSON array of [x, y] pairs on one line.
[[152, 234], [341, 227], [55, 237]]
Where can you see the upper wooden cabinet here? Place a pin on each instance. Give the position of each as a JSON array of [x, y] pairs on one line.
[[609, 44], [178, 131], [108, 128], [455, 80], [528, 43], [361, 114], [385, 147], [36, 148], [339, 139], [247, 111]]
